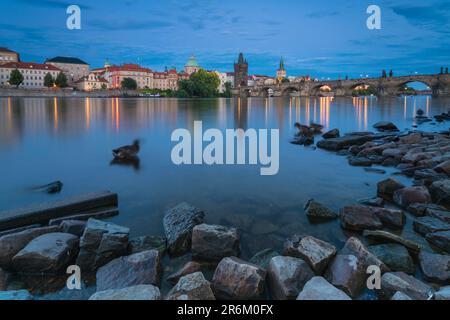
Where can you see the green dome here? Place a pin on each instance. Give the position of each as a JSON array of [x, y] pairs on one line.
[[192, 62]]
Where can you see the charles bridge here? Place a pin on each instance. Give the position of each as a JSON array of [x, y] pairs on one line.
[[439, 85]]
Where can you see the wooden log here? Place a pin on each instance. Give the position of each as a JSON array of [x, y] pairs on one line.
[[86, 216], [42, 213]]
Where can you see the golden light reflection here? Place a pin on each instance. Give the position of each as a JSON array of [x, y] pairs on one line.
[[324, 110], [55, 113], [404, 107], [428, 106], [88, 112], [117, 115], [307, 112]]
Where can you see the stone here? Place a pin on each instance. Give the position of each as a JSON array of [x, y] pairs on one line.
[[406, 196], [373, 202], [442, 215], [440, 191], [193, 286], [75, 227], [315, 210], [391, 218], [11, 244], [360, 161], [287, 276], [238, 279], [358, 218], [435, 267], [425, 225], [213, 242], [347, 273], [443, 167], [316, 252], [4, 277], [391, 282], [333, 133], [178, 224], [49, 252], [400, 296], [140, 292], [386, 236], [139, 268], [146, 243], [355, 247], [336, 144], [411, 138], [420, 209], [387, 187], [15, 295], [188, 268], [395, 256], [442, 294], [263, 258], [101, 242], [385, 126], [320, 289], [440, 239], [393, 152]]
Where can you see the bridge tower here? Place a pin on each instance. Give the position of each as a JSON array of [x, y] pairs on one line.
[[241, 72], [281, 72]]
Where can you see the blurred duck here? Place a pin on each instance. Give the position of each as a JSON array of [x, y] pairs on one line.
[[127, 152]]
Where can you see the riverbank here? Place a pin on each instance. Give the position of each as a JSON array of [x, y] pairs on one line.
[[67, 93]]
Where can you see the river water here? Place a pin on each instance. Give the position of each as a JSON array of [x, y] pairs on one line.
[[48, 139]]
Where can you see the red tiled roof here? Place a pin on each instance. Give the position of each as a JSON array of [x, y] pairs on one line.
[[129, 67], [30, 65]]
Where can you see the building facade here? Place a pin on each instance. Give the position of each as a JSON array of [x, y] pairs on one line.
[[33, 73], [7, 55], [73, 68], [240, 72], [92, 82], [191, 66]]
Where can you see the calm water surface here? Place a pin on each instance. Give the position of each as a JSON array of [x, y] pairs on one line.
[[43, 139]]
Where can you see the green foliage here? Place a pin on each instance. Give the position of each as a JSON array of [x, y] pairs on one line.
[[202, 84], [61, 80], [16, 78], [129, 84], [48, 80], [104, 86], [284, 80], [162, 93], [227, 92], [364, 92]]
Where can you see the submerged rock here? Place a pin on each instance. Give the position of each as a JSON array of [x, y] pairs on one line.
[[193, 286], [358, 218], [440, 214], [316, 210], [435, 267], [146, 243], [387, 187], [425, 225], [385, 126], [336, 144], [395, 256], [400, 296], [409, 195], [382, 235], [440, 191], [263, 258], [442, 294], [320, 289], [188, 268], [213, 242], [440, 239], [391, 282], [139, 292], [334, 133]]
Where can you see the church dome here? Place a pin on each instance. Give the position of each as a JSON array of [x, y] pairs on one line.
[[192, 62]]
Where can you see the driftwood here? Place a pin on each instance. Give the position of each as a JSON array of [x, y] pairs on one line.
[[86, 216]]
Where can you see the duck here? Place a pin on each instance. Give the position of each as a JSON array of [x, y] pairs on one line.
[[127, 152]]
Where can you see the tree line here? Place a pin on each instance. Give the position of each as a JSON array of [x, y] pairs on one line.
[[16, 79]]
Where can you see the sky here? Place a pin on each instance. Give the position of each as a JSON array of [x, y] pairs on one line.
[[324, 39]]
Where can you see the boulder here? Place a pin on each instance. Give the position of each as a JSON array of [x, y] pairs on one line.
[[387, 187], [193, 286], [316, 252], [360, 161], [320, 289], [355, 247], [358, 218], [400, 296], [435, 267], [443, 167], [409, 195], [15, 295], [440, 191], [11, 244], [391, 218], [263, 258], [101, 242], [238, 279], [393, 152], [395, 256], [440, 239], [347, 273], [140, 292], [411, 138], [315, 210], [425, 225], [333, 133], [373, 202], [287, 276], [440, 214], [385, 126], [420, 209], [75, 227], [442, 294], [178, 224], [386, 236], [146, 243], [49, 252], [391, 282], [4, 277], [213, 242], [336, 144], [139, 268], [188, 268]]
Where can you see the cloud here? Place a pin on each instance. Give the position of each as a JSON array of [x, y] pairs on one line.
[[114, 25], [51, 4]]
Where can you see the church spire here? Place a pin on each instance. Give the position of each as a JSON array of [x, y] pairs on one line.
[[281, 64]]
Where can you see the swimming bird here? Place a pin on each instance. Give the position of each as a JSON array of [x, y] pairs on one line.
[[127, 152]]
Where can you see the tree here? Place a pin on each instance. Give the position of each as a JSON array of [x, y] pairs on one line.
[[48, 80], [227, 92], [16, 78], [384, 74], [61, 80], [128, 84], [201, 84], [104, 86]]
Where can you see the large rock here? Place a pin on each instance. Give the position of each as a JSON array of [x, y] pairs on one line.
[[360, 161], [11, 244], [315, 210], [440, 239], [400, 296], [385, 126], [193, 286], [391, 218], [355, 247], [421, 209], [358, 218], [287, 276], [440, 214], [75, 227], [213, 242], [49, 252], [333, 133], [316, 252], [409, 195], [188, 268], [443, 293], [101, 242], [178, 224], [425, 225], [387, 187], [443, 167], [139, 268], [140, 292], [15, 295], [348, 274], [336, 144], [435, 267], [391, 282], [238, 279], [320, 289], [4, 277], [440, 191], [395, 256], [263, 258], [146, 243]]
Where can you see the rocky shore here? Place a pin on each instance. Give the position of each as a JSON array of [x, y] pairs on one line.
[[308, 268]]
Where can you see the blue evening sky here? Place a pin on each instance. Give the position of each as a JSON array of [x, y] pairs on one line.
[[322, 38]]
